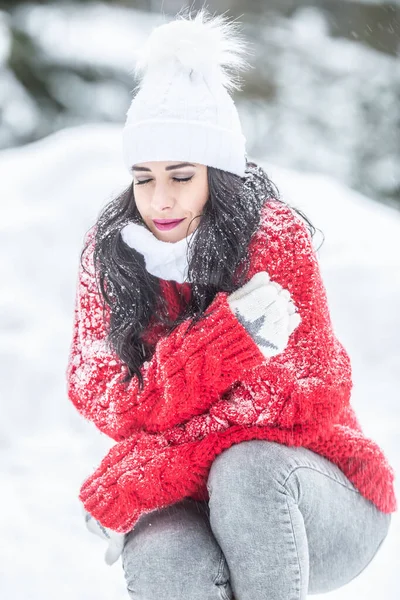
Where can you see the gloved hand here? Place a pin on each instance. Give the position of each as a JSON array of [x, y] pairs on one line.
[[115, 540], [266, 311]]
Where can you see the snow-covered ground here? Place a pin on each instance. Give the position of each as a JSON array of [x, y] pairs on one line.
[[52, 192]]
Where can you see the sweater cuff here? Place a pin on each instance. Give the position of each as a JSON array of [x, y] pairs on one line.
[[226, 337]]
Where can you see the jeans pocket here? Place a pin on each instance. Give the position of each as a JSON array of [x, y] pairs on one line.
[[307, 457]]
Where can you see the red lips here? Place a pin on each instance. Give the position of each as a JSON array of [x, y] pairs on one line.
[[165, 224], [166, 221]]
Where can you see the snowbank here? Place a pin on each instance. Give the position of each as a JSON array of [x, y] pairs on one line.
[[52, 193]]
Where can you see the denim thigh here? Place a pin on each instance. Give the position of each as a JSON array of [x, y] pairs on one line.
[[172, 554], [289, 522]]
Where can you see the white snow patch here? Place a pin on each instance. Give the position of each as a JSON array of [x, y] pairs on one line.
[[52, 193]]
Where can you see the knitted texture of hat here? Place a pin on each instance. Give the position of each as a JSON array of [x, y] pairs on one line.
[[183, 109]]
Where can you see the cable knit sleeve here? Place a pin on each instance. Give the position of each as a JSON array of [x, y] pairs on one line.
[[185, 375], [309, 384]]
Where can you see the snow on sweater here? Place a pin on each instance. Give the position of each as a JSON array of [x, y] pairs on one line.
[[213, 388]]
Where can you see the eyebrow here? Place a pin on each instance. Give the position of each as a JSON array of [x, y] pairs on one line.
[[169, 168]]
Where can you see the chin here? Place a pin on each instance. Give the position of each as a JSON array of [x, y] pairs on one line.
[[169, 236]]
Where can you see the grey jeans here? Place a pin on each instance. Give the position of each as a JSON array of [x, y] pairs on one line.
[[281, 522]]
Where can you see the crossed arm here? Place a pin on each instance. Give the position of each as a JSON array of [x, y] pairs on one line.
[[188, 375], [185, 375]]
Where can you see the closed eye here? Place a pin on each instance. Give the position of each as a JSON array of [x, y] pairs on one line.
[[174, 178]]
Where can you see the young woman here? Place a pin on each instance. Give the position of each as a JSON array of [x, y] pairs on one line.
[[203, 345]]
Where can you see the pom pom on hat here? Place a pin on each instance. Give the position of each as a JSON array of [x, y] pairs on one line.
[[203, 44], [183, 109]]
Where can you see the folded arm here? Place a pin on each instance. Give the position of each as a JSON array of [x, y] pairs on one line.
[[184, 377]]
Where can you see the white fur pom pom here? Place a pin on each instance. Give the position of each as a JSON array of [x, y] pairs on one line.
[[207, 44]]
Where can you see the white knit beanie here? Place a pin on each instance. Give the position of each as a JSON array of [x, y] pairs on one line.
[[183, 110]]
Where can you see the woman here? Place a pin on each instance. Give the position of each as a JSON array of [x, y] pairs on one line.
[[205, 349]]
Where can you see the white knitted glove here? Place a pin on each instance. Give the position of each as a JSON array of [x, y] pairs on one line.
[[115, 540], [266, 311]]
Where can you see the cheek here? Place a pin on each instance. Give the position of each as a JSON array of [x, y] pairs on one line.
[[201, 195], [140, 200]]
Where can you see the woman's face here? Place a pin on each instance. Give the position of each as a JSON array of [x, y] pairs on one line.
[[170, 190]]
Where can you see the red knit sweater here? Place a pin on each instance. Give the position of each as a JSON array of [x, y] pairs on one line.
[[213, 388]]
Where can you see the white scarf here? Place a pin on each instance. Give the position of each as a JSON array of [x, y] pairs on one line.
[[167, 260]]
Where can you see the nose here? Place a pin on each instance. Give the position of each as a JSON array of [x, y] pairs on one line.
[[160, 199]]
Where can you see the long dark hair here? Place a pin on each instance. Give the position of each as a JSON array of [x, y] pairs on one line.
[[217, 257]]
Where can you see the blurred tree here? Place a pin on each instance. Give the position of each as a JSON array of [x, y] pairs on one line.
[[349, 112]]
